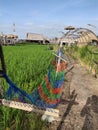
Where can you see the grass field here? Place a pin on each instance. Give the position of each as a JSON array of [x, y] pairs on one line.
[[26, 66]]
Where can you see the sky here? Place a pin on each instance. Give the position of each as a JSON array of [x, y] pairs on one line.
[[47, 17]]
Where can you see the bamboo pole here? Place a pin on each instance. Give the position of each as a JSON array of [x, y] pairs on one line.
[[30, 107], [60, 57]]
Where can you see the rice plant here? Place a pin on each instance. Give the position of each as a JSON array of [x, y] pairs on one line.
[[26, 66]]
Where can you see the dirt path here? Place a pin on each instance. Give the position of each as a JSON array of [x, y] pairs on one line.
[[81, 111]]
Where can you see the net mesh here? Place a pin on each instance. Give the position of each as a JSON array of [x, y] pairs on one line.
[[48, 94]]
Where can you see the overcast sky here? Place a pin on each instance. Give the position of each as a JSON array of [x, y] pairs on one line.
[[48, 17]]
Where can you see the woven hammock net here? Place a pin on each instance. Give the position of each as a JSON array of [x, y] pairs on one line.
[[48, 94]]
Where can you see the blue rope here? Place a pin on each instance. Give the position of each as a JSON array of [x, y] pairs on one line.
[[13, 86], [34, 97]]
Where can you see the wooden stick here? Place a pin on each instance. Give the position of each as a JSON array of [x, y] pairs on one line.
[[60, 57]]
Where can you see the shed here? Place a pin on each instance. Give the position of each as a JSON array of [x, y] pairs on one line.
[[37, 38]]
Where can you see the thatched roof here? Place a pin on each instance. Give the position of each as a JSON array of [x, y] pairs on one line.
[[11, 36], [36, 37], [69, 28]]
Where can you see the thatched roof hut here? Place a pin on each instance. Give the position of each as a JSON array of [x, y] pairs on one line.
[[11, 39], [8, 39]]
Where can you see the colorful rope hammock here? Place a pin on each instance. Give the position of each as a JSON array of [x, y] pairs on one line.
[[48, 94]]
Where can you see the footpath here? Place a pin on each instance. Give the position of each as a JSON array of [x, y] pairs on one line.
[[80, 110]]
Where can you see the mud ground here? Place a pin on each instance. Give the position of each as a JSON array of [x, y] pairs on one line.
[[79, 105]]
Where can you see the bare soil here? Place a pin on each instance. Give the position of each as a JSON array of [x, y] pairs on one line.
[[79, 105]]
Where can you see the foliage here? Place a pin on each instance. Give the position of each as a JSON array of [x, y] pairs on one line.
[[26, 66], [84, 54]]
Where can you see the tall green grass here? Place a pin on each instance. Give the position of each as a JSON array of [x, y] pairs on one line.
[[84, 54], [26, 66]]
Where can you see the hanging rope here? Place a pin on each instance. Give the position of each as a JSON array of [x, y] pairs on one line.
[[48, 94]]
